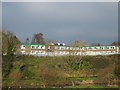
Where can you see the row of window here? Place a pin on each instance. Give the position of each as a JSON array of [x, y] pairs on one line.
[[36, 51], [73, 53], [71, 48], [84, 48], [38, 47]]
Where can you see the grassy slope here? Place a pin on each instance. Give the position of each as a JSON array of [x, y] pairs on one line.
[[42, 71]]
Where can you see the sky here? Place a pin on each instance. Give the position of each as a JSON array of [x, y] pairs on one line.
[[92, 22], [0, 16]]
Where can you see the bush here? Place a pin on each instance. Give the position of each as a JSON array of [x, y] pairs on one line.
[[47, 75], [78, 63], [27, 74], [6, 66], [15, 75], [99, 62]]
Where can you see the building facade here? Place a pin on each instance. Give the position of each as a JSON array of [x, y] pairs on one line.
[[58, 50]]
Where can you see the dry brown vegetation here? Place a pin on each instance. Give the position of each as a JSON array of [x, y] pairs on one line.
[[54, 71]]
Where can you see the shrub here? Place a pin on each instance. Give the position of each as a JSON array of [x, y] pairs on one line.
[[15, 75], [99, 62], [27, 74], [6, 66], [105, 76], [77, 62], [47, 75]]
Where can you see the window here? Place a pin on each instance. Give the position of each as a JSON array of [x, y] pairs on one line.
[[23, 47], [95, 48], [41, 47], [37, 51], [66, 47], [37, 46], [81, 48], [71, 48], [62, 48], [90, 47], [106, 47], [48, 47], [112, 47], [33, 51], [33, 46], [101, 48], [22, 51], [41, 52], [86, 48]]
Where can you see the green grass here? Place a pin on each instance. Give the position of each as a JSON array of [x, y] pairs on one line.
[[82, 78], [7, 82], [95, 86]]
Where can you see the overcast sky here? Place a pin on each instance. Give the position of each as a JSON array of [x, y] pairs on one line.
[[0, 26], [64, 22]]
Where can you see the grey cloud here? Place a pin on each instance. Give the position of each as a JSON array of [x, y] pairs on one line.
[[0, 16], [63, 21]]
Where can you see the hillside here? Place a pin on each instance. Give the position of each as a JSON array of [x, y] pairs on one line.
[[60, 71]]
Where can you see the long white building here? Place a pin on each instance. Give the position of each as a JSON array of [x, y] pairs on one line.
[[57, 50]]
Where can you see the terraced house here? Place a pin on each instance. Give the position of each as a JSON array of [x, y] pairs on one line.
[[58, 50]]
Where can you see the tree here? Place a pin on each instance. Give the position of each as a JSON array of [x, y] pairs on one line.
[[49, 42], [115, 43], [95, 44], [9, 42], [78, 43], [74, 61], [38, 39]]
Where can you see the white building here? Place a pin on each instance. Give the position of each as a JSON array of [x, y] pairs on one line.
[[58, 50]]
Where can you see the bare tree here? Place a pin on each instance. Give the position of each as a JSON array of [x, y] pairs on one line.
[[95, 44], [38, 39], [115, 43], [47, 41], [78, 43]]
